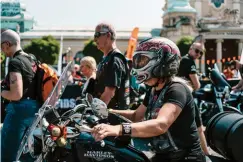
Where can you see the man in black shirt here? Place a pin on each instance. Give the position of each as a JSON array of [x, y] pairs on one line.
[[187, 67], [112, 85], [187, 70], [21, 94]]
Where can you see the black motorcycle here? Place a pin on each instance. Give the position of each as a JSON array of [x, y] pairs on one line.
[[213, 98], [69, 139]]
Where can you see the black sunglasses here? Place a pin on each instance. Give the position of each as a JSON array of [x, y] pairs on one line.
[[98, 34], [198, 51]]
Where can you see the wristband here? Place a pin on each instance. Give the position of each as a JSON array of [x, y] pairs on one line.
[[126, 129]]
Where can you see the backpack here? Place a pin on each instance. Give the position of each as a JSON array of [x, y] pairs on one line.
[[46, 79]]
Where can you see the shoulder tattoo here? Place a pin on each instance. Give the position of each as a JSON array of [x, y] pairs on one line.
[[13, 78]]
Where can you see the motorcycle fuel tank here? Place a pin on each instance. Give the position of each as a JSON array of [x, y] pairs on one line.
[[89, 150]]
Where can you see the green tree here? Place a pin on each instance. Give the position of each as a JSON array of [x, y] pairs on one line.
[[45, 49], [90, 49], [184, 44]]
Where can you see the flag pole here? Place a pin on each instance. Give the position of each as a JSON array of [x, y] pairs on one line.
[[59, 68]]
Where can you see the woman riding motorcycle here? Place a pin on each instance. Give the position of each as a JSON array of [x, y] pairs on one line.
[[167, 114]]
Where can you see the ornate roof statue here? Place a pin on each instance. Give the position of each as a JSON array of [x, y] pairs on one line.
[[178, 6]]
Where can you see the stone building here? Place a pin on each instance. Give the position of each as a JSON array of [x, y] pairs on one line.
[[219, 21]]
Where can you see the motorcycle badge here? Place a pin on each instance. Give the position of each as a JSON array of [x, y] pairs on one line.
[[99, 155]]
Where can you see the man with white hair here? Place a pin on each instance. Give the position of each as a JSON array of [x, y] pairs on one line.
[[20, 82]]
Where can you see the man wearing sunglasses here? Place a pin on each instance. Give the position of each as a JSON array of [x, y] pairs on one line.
[[187, 70], [187, 67], [112, 77], [20, 91]]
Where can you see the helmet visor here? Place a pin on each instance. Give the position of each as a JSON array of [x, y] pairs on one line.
[[139, 61], [142, 58]]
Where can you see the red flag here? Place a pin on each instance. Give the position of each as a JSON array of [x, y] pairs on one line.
[[132, 43]]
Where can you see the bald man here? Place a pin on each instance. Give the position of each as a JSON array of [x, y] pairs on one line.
[[188, 71], [20, 82], [187, 67]]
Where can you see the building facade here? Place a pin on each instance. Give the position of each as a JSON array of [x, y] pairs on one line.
[[219, 21]]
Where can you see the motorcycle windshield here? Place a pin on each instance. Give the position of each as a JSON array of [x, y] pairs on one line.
[[217, 79], [52, 101], [60, 86]]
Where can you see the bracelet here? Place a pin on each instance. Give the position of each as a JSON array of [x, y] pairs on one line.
[[126, 129]]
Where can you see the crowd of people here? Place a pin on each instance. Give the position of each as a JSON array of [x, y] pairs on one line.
[[230, 71], [168, 115]]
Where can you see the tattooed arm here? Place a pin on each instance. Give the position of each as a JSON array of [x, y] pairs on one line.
[[16, 87]]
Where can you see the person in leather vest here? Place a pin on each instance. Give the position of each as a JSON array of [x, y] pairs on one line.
[[21, 93], [167, 116]]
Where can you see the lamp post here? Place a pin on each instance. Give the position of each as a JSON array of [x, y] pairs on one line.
[[67, 57], [69, 54]]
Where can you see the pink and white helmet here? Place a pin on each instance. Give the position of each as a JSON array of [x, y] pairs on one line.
[[155, 58]]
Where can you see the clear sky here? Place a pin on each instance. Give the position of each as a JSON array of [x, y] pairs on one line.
[[88, 13]]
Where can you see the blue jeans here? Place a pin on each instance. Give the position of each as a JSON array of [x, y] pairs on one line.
[[20, 116]]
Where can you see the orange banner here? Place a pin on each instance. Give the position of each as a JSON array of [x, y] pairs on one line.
[[132, 43]]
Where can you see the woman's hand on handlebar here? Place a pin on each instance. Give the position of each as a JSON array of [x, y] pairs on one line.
[[99, 132]]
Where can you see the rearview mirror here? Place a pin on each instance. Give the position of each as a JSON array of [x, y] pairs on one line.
[[89, 98], [99, 108]]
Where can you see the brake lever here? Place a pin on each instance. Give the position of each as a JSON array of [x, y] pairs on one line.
[[83, 128]]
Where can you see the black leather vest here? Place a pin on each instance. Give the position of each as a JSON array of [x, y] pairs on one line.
[[163, 143]]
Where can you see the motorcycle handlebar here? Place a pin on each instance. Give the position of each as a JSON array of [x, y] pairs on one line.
[[79, 107], [85, 128]]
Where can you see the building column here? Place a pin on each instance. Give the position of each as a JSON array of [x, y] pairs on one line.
[[202, 60], [219, 53], [198, 7], [202, 63], [240, 47]]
